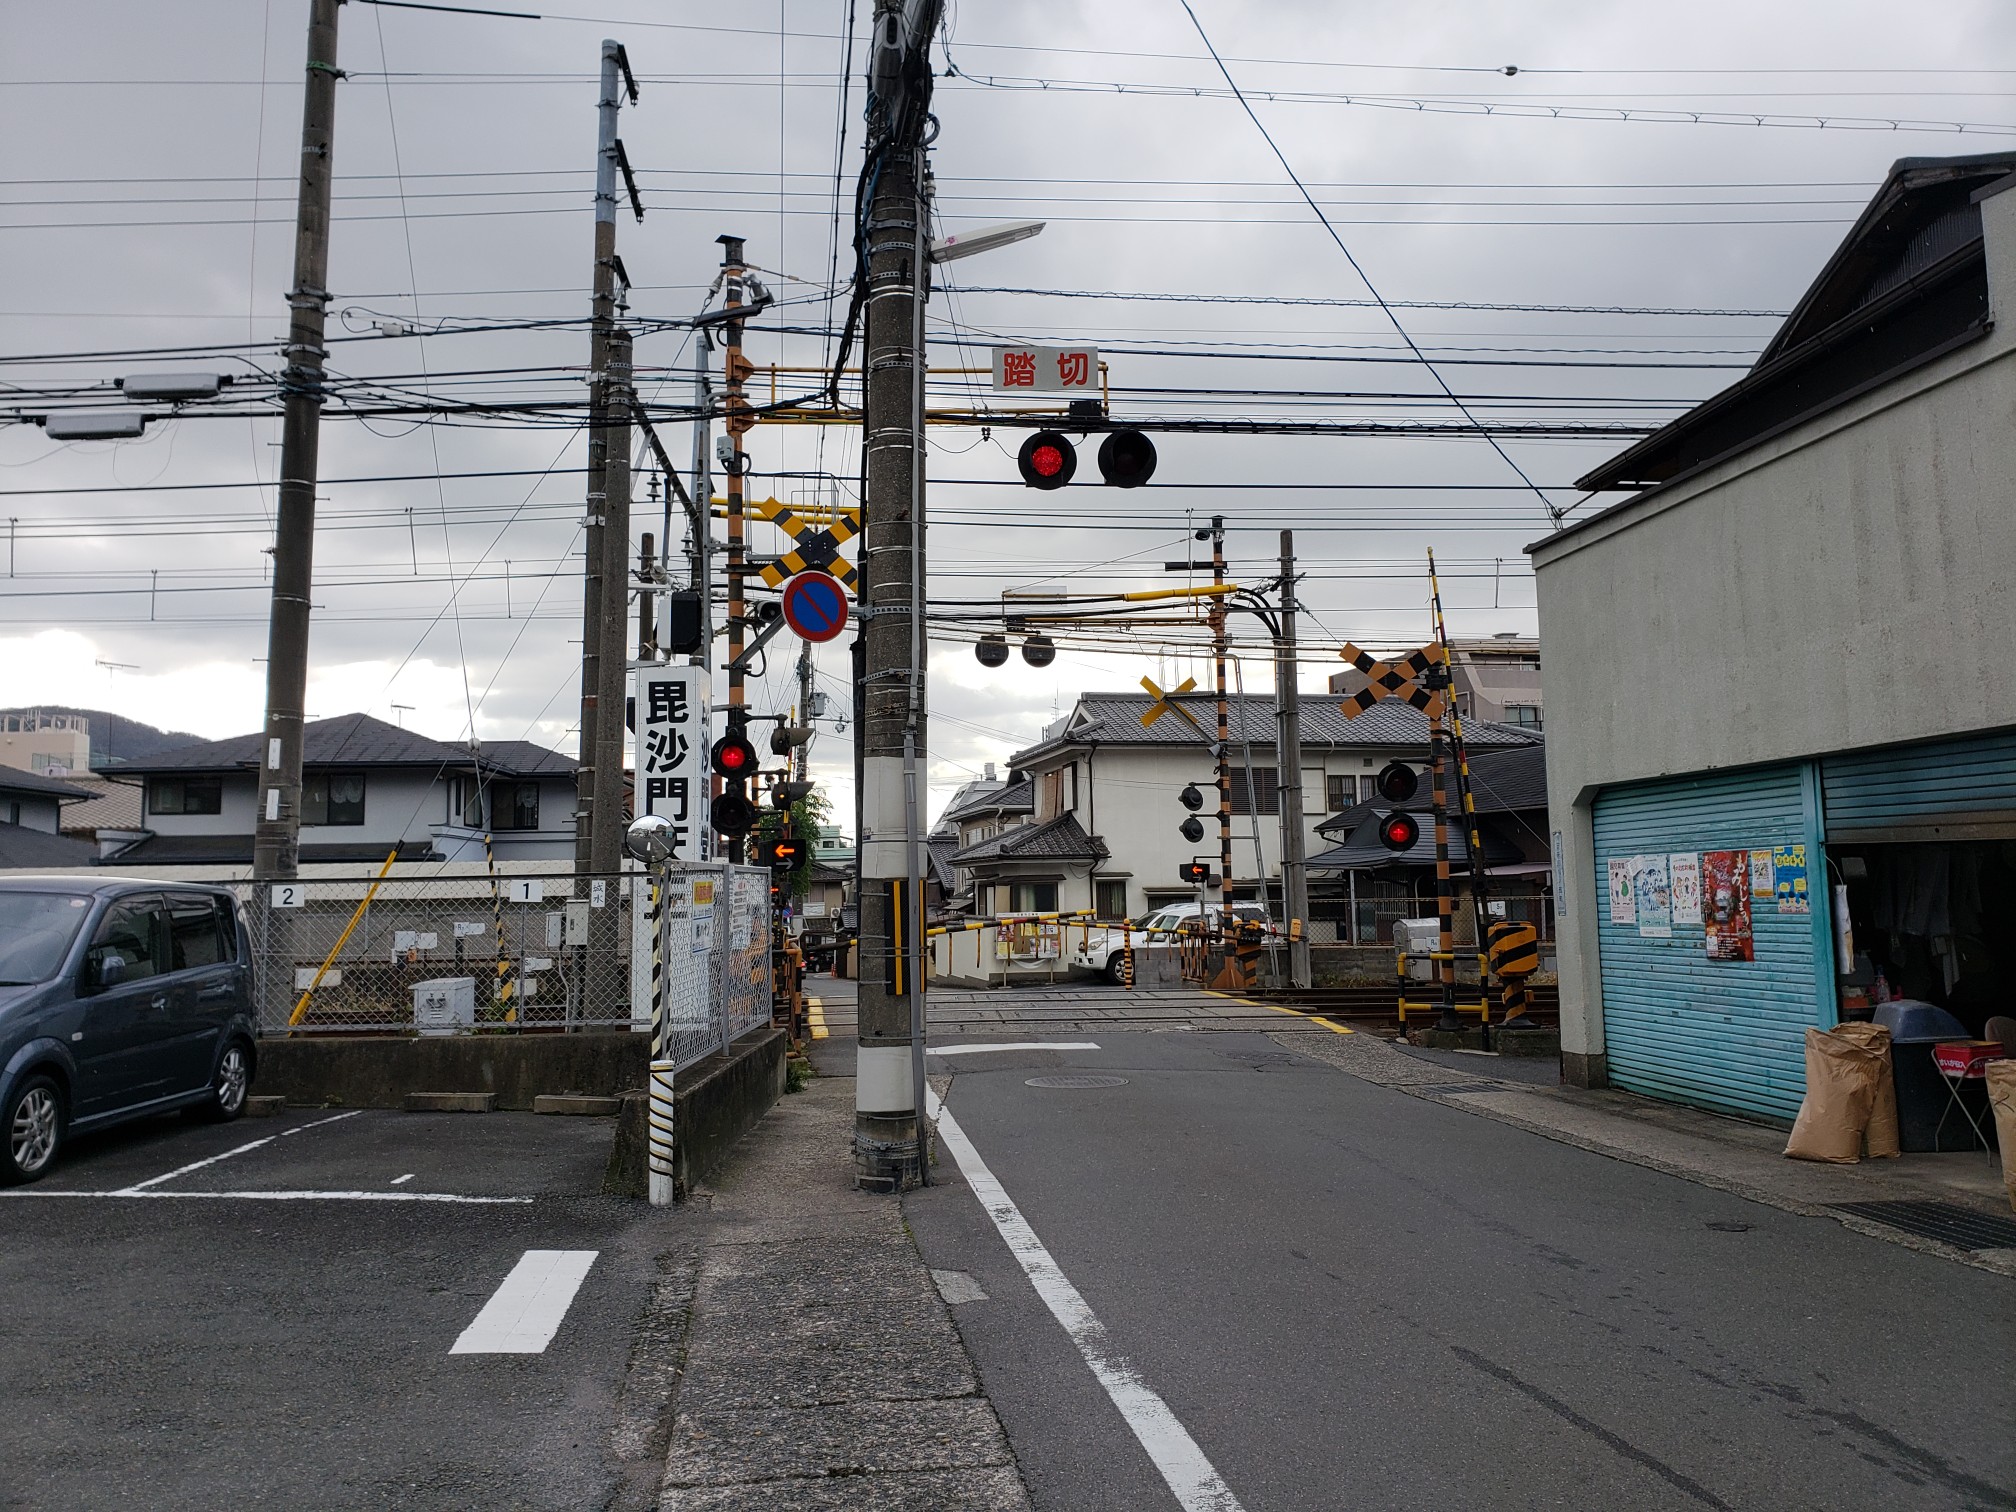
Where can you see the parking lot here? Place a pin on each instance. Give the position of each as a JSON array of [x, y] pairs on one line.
[[333, 1309]]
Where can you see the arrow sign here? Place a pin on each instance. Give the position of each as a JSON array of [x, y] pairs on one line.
[[815, 605]]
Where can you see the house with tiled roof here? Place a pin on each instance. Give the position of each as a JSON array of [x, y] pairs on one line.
[[367, 787], [1104, 812]]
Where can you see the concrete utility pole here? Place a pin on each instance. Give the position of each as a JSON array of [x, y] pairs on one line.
[[736, 422], [801, 755], [889, 1138], [276, 843], [1218, 651], [598, 809], [1288, 758], [700, 548]]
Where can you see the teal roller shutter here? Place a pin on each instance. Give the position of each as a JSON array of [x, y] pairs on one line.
[[1958, 789], [1728, 1035]]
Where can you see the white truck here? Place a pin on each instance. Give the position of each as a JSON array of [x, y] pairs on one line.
[[1103, 947]]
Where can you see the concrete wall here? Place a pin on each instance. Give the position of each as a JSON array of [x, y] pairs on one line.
[[378, 1072], [38, 811], [1846, 584], [714, 1104]]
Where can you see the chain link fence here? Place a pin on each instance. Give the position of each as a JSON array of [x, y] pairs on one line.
[[513, 954]]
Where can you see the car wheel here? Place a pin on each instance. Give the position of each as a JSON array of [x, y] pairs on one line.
[[229, 1086], [1116, 968], [33, 1128]]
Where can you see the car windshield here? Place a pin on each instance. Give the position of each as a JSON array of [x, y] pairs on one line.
[[35, 934]]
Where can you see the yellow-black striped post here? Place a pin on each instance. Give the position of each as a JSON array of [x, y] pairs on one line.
[[659, 1133], [1445, 903], [1479, 895], [504, 985], [1514, 955]]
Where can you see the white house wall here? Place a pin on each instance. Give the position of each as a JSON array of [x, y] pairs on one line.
[[1846, 584]]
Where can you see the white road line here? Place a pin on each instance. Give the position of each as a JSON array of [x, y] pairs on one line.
[[23, 1194], [1014, 1045], [1189, 1474], [524, 1312], [194, 1165], [402, 1180], [338, 1118]]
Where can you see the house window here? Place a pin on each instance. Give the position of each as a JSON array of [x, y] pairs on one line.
[[515, 805], [185, 795], [1368, 788], [1526, 716], [333, 798], [1032, 897], [1265, 787], [1110, 899], [1341, 789], [465, 802]]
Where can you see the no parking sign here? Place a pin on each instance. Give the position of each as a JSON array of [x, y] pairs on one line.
[[815, 605]]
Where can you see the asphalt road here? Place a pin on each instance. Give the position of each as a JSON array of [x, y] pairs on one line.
[[1352, 1298], [216, 1345]]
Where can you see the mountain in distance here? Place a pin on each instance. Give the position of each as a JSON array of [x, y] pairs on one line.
[[117, 738]]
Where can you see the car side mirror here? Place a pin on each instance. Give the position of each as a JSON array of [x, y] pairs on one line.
[[108, 970]]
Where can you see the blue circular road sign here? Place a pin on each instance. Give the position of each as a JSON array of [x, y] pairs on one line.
[[815, 605]]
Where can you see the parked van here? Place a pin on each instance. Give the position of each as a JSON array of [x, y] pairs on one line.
[[118, 998], [1102, 949]]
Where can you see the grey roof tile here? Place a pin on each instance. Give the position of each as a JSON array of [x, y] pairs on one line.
[[14, 780], [1059, 839]]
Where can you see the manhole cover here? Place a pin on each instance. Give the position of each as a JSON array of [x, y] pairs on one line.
[[1076, 1081], [1963, 1228]]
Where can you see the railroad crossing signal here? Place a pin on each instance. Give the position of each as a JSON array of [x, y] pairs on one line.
[[1399, 679], [1399, 831], [1162, 705], [1048, 460], [818, 543], [1397, 782]]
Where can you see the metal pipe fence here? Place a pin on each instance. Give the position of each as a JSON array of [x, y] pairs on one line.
[[511, 954]]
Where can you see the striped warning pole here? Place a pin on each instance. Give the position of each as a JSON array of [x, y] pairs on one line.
[[661, 1110], [503, 986]]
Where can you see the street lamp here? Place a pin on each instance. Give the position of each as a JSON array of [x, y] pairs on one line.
[[986, 239]]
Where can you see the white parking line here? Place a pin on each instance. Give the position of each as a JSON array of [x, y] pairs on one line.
[[304, 1128], [194, 1165], [524, 1312], [402, 1180], [24, 1194], [1196, 1483], [1013, 1045]]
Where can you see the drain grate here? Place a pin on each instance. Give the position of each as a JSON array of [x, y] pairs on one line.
[[1963, 1228], [1076, 1081]]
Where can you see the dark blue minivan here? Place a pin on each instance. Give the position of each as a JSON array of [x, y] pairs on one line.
[[118, 998]]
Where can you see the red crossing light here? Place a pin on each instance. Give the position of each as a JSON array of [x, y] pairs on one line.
[[733, 756], [1399, 831], [1047, 460]]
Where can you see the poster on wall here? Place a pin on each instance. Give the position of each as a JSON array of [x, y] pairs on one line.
[[1788, 877], [1652, 897], [1725, 905], [1762, 889], [1623, 908], [1684, 881]]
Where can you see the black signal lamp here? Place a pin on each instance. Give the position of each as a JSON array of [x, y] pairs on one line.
[[1399, 831], [1126, 459], [1397, 782], [1039, 651], [1191, 829], [1190, 798], [1047, 460], [992, 649], [733, 756], [732, 813]]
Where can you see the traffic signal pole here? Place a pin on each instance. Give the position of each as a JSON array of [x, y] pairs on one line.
[[276, 843], [891, 734]]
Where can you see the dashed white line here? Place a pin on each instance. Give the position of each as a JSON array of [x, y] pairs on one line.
[[1195, 1482], [304, 1128], [194, 1165], [525, 1311], [402, 1180], [1012, 1045]]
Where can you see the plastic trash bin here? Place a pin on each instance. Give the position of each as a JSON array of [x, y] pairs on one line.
[[1915, 1028]]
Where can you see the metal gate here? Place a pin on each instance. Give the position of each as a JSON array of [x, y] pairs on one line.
[[1959, 789], [1722, 1034]]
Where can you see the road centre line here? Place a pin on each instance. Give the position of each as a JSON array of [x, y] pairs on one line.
[[526, 1310], [1012, 1045], [1195, 1482]]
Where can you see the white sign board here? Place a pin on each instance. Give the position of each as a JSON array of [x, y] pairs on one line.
[[672, 744], [525, 890], [1046, 370], [468, 929], [289, 895]]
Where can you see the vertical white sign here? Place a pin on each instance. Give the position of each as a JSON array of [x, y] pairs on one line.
[[672, 742]]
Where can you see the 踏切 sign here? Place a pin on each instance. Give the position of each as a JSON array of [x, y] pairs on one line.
[[1046, 370]]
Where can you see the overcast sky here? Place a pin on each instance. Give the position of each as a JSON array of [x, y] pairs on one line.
[[151, 205]]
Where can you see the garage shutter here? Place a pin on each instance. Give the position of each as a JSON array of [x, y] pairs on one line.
[[1728, 1035], [1959, 789]]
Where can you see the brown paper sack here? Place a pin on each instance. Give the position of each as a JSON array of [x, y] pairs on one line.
[[2002, 1097], [1841, 1078], [1880, 1140]]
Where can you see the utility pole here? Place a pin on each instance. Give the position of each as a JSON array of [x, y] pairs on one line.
[[736, 422], [598, 810], [1218, 651], [700, 548], [1288, 758], [276, 843], [889, 1134], [647, 578], [801, 755]]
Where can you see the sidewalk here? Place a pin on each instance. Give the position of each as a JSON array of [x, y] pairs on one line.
[[1727, 1153], [821, 1367]]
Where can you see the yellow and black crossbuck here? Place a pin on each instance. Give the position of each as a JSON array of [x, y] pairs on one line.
[[818, 543], [1399, 679]]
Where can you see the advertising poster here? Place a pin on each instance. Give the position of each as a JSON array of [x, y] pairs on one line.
[[1684, 873], [1623, 909], [1650, 895], [1761, 888], [1725, 905], [1788, 876]]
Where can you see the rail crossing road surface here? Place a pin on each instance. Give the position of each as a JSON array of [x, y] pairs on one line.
[[1210, 1270], [327, 1310]]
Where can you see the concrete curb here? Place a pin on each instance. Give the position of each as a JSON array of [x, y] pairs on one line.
[[451, 1102], [575, 1105]]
